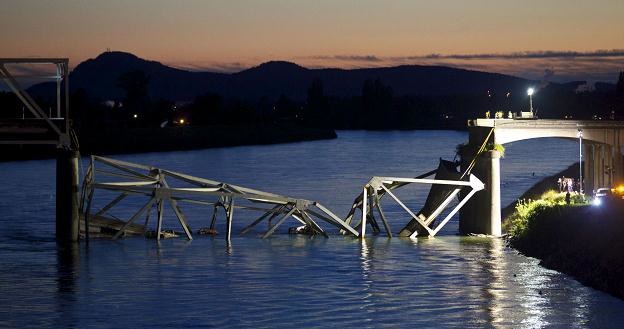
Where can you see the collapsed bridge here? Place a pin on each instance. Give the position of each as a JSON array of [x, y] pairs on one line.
[[160, 188]]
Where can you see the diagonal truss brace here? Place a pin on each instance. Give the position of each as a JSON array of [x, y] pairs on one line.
[[63, 138], [380, 186]]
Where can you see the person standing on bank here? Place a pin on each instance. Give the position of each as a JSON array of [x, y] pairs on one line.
[[567, 198]]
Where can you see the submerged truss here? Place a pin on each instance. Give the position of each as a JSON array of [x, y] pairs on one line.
[[377, 187], [160, 187]]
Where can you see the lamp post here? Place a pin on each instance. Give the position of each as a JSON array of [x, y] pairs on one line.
[[580, 137], [530, 92]]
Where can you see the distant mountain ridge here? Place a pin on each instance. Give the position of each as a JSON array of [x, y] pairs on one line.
[[99, 77]]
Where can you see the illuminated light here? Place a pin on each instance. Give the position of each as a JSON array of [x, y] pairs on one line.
[[530, 91], [620, 189], [135, 116], [597, 202], [181, 121]]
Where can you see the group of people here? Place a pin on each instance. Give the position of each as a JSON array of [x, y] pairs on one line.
[[499, 115], [567, 184]]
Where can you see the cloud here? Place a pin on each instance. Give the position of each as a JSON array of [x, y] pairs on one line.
[[528, 55], [598, 65], [348, 58], [211, 66], [542, 66]]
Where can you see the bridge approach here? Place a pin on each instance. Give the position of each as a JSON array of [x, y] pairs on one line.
[[600, 143]]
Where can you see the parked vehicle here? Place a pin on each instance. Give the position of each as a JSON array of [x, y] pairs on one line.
[[601, 196]]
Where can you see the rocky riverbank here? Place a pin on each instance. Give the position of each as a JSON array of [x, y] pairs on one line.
[[578, 239]]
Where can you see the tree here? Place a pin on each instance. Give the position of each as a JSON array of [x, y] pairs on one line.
[[376, 104], [286, 108], [206, 109], [135, 84], [317, 112]]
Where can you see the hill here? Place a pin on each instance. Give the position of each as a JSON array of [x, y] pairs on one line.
[[99, 77]]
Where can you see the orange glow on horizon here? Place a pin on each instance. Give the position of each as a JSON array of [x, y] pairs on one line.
[[233, 35]]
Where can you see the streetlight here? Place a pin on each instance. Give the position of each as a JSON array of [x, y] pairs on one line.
[[530, 92], [579, 134]]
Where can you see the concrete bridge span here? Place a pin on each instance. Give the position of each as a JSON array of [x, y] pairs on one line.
[[601, 143]]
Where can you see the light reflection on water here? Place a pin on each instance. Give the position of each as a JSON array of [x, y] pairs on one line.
[[289, 281]]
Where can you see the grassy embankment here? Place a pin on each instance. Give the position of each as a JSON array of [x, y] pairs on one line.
[[580, 240]]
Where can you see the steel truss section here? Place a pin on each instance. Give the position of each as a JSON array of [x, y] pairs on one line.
[[373, 191], [30, 128], [162, 187]]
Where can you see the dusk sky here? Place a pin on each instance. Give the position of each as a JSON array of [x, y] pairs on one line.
[[584, 39]]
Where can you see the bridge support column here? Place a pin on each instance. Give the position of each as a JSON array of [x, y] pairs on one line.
[[609, 165], [482, 213], [67, 223], [600, 166], [618, 164], [589, 164]]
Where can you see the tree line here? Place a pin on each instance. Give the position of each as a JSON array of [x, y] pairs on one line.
[[376, 107]]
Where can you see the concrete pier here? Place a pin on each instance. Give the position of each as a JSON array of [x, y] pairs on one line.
[[482, 213], [67, 223]]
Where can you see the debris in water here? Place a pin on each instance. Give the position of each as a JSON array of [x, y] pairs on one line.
[[207, 231]]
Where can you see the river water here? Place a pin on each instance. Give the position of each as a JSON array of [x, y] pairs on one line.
[[291, 281]]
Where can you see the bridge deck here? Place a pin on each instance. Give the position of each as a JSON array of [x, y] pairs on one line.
[[546, 123], [511, 130]]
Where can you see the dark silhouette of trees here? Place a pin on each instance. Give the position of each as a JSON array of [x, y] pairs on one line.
[[285, 108], [376, 104], [206, 109], [317, 111], [135, 85], [237, 111]]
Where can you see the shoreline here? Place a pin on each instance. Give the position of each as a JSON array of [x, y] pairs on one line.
[[125, 140], [539, 188], [581, 241]]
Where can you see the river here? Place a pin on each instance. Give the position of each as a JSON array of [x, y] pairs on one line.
[[291, 281]]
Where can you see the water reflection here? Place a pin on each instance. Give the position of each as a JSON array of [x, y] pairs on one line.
[[290, 281], [67, 267], [518, 292], [67, 273], [534, 302], [496, 266]]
